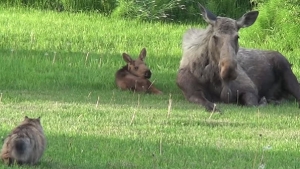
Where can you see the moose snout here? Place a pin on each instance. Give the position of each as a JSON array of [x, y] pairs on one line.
[[147, 74], [228, 70]]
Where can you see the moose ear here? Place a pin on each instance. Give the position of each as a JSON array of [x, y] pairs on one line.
[[208, 16], [127, 58], [26, 117], [247, 19], [143, 54]]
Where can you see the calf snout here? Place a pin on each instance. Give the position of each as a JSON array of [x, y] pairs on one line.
[[147, 74]]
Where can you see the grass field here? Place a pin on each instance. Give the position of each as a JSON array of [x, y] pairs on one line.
[[61, 66]]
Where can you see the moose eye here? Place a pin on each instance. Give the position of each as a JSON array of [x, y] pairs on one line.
[[237, 37], [215, 37], [136, 67]]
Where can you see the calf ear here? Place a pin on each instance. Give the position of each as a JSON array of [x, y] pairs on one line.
[[143, 54], [208, 16], [247, 19], [127, 58]]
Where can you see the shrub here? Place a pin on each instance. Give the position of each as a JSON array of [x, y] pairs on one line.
[[144, 9], [278, 22], [170, 10], [103, 6], [230, 8], [178, 10]]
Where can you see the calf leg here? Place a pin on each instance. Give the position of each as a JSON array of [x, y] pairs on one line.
[[153, 89], [192, 90], [144, 85]]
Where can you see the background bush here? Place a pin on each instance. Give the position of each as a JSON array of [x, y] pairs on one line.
[[102, 6], [166, 10], [278, 21]]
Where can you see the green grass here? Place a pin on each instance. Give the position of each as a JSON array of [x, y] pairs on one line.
[[61, 66]]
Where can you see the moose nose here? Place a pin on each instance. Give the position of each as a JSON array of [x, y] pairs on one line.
[[228, 70], [147, 74]]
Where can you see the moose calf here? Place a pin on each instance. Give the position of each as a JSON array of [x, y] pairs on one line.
[[135, 74]]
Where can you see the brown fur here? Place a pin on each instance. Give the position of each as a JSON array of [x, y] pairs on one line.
[[134, 76], [25, 144], [214, 69]]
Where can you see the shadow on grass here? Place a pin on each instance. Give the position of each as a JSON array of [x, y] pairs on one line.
[[77, 152], [210, 123]]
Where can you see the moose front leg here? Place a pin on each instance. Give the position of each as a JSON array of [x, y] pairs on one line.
[[199, 98], [192, 90]]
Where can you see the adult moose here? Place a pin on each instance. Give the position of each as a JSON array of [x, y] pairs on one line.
[[135, 74], [214, 69]]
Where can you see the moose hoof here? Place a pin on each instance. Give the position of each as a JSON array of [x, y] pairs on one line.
[[263, 101], [212, 107]]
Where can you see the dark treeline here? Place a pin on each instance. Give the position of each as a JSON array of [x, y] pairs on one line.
[[167, 10]]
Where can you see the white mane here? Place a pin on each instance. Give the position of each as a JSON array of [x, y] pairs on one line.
[[195, 46]]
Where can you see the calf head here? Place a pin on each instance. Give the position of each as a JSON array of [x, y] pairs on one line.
[[223, 40], [138, 67]]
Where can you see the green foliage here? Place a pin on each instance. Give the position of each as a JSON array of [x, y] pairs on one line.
[[163, 10], [146, 9], [102, 6], [178, 10], [278, 22], [40, 4], [229, 8]]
